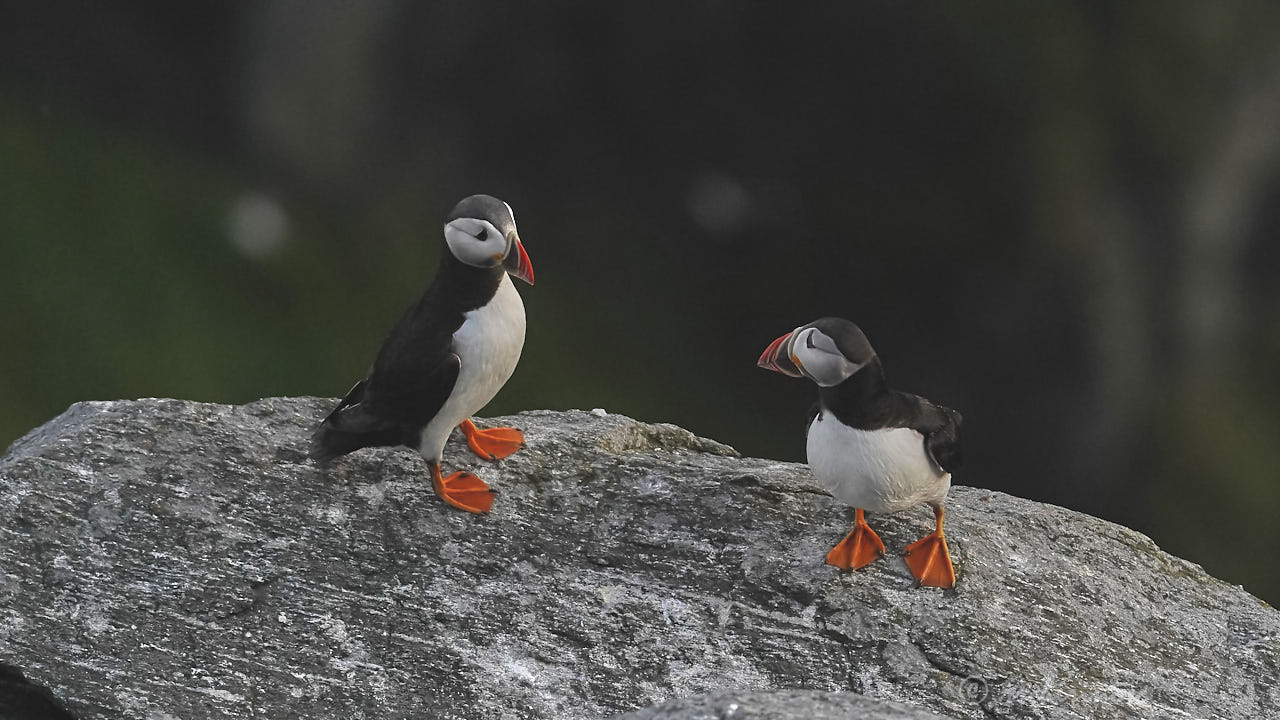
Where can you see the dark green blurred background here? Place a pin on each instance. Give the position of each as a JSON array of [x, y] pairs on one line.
[[1060, 220]]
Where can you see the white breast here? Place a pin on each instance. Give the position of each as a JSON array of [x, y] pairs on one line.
[[877, 470], [488, 345]]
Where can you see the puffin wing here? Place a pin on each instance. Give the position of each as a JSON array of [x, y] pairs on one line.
[[350, 405], [940, 427], [414, 394], [416, 368], [351, 427], [411, 379], [943, 444], [365, 418]]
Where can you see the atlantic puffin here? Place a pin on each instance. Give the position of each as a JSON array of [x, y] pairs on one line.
[[870, 446], [446, 358]]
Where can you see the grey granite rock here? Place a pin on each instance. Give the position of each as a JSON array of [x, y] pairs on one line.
[[781, 705], [166, 559]]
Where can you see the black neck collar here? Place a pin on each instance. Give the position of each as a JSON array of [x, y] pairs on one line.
[[464, 285], [863, 400]]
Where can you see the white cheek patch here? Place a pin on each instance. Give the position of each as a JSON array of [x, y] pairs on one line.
[[822, 367], [462, 238]]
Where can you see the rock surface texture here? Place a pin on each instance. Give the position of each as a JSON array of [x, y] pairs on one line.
[[781, 705], [163, 559]]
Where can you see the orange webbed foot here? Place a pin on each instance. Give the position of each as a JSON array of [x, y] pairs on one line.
[[462, 490], [494, 443], [929, 560], [859, 548]]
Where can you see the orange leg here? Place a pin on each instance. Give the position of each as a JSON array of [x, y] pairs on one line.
[[928, 559], [494, 443], [859, 548], [462, 490]]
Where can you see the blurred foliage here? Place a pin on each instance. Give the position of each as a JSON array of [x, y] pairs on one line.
[[1058, 219]]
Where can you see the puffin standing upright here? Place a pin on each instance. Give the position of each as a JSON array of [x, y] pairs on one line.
[[447, 356], [872, 447]]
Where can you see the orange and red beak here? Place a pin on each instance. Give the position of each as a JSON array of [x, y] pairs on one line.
[[777, 357], [517, 262]]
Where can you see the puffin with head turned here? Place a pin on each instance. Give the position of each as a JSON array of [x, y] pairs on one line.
[[446, 358], [870, 446]]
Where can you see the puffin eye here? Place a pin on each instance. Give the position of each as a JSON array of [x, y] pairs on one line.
[[808, 341], [482, 234]]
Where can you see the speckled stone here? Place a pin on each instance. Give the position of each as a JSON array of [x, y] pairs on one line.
[[781, 705], [164, 559]]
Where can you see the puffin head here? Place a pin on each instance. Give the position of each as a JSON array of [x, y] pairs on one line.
[[827, 351], [481, 232]]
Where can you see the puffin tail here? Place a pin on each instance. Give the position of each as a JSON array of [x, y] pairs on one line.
[[325, 446], [328, 443], [351, 427]]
